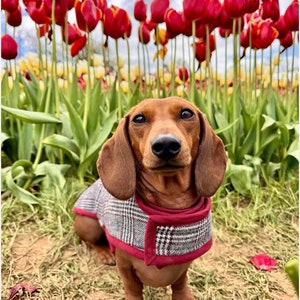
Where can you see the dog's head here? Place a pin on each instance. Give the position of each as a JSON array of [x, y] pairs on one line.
[[163, 136]]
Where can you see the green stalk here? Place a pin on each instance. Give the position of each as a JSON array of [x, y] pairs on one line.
[[120, 104], [224, 103], [128, 62], [235, 85], [208, 74], [192, 85], [173, 67], [88, 86], [157, 61]]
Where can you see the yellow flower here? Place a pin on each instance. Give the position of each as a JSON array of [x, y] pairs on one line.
[[180, 90], [121, 62], [99, 72], [59, 69], [161, 52], [276, 60], [82, 67], [124, 86], [295, 82], [97, 60], [167, 78]]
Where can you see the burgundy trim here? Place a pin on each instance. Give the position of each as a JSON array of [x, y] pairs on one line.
[[85, 213]]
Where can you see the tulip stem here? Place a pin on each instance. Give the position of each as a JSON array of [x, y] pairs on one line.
[[192, 87], [128, 67], [120, 104], [157, 61], [88, 86]]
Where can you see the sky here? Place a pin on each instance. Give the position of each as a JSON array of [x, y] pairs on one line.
[[26, 37]]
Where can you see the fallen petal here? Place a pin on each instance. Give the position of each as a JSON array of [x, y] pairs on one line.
[[263, 262]]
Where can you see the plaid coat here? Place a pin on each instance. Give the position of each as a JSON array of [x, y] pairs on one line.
[[157, 235]]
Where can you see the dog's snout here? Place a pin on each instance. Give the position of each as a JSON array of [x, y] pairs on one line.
[[166, 146]]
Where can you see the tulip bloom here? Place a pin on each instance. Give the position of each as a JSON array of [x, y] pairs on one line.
[[116, 22], [263, 34], [140, 10], [174, 22], [36, 11], [291, 16], [78, 45], [193, 9], [236, 9], [87, 15], [183, 74], [200, 48], [270, 10], [60, 10], [9, 47], [212, 11], [158, 9], [144, 33], [9, 5], [287, 41], [281, 27], [14, 18], [73, 34]]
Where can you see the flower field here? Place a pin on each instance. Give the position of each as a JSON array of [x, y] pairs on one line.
[[56, 114], [236, 60]]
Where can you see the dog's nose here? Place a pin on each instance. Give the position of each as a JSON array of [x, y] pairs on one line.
[[166, 146]]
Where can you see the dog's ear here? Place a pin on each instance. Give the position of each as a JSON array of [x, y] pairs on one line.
[[116, 165], [211, 160]]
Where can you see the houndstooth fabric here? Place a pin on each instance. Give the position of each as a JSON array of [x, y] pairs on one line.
[[146, 231]]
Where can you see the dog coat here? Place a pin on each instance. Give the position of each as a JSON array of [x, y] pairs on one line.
[[157, 235]]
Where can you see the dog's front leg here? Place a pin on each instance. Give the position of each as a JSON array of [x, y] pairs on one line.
[[133, 287], [180, 289]]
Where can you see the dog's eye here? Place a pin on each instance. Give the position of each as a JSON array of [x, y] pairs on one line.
[[186, 114], [139, 119]]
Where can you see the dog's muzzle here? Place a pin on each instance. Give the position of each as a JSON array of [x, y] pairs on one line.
[[166, 146]]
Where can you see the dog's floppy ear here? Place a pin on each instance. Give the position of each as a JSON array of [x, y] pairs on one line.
[[211, 161], [116, 165]]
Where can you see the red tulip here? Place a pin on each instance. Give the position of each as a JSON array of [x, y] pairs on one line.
[[87, 14], [78, 45], [200, 48], [43, 29], [212, 11], [36, 11], [183, 74], [291, 16], [224, 33], [174, 22], [253, 5], [158, 9], [140, 10], [225, 21], [270, 10], [14, 18], [60, 10], [244, 38], [236, 9], [9, 47], [70, 4], [116, 22], [144, 33], [193, 9], [281, 27], [287, 41], [9, 5], [73, 33], [263, 33]]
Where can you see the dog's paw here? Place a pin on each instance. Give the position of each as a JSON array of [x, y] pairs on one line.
[[104, 254]]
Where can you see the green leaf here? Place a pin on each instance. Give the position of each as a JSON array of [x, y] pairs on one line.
[[240, 177], [25, 142], [4, 137], [22, 194], [31, 116], [93, 149], [79, 133], [57, 173], [64, 143]]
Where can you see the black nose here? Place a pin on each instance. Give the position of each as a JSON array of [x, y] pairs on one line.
[[166, 146]]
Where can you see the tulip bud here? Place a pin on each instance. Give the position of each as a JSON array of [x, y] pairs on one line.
[[291, 16], [9, 47]]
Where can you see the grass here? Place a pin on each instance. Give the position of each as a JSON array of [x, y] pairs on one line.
[[39, 247]]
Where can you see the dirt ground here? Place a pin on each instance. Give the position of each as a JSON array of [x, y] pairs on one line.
[[57, 269]]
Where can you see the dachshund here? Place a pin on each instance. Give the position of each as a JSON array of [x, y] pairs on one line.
[[152, 199]]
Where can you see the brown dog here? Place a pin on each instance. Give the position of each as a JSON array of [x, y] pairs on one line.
[[156, 173]]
